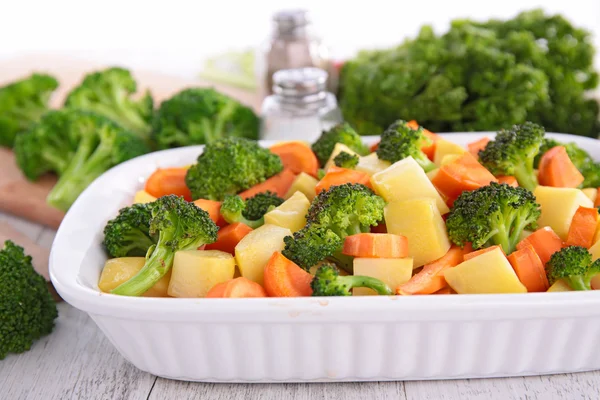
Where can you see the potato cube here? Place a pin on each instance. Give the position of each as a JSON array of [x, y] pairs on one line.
[[195, 272], [422, 224], [443, 148], [560, 286], [290, 214], [558, 207], [119, 270], [392, 271], [371, 164], [255, 249], [305, 184], [591, 193], [405, 180], [142, 197], [339, 147], [449, 158]]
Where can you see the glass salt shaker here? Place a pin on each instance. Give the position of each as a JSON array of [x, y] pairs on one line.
[[301, 108]]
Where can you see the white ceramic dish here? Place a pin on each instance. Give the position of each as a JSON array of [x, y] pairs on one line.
[[317, 339]]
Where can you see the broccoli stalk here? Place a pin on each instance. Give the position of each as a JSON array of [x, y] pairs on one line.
[[574, 265], [346, 160], [328, 282], [341, 133], [400, 141], [180, 225], [128, 234], [250, 212]]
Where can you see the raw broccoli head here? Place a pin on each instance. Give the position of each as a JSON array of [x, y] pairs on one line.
[[574, 265], [110, 93], [229, 166], [493, 214], [22, 103], [328, 282], [313, 244], [260, 204], [200, 116], [341, 133], [513, 151], [400, 141], [346, 160], [128, 234], [250, 212], [27, 309]]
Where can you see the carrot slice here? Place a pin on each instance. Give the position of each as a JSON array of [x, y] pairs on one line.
[[213, 208], [509, 180], [166, 181], [429, 150], [336, 176], [556, 169], [217, 291], [545, 242], [446, 290], [479, 252], [597, 202], [529, 268], [374, 147], [297, 157], [229, 236], [583, 227], [283, 278], [376, 245], [278, 184], [478, 145], [237, 288], [430, 279]]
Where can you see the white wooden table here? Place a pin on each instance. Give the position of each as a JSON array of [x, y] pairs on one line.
[[77, 362]]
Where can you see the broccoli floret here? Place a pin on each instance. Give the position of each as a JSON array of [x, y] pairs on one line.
[[128, 234], [313, 244], [591, 175], [250, 212], [340, 133], [513, 151], [346, 160], [260, 204], [78, 146], [400, 141], [200, 116], [229, 166], [321, 173], [179, 225], [110, 93], [574, 265], [493, 214], [328, 282], [27, 308], [22, 103]]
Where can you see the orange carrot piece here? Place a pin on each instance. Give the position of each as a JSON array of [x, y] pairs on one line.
[[509, 180], [529, 268], [165, 181], [479, 252], [429, 150], [213, 208], [283, 278], [545, 242], [596, 282], [478, 145], [556, 169], [229, 236], [217, 291], [597, 202], [338, 176], [446, 290], [278, 184], [237, 288], [374, 147], [376, 245], [297, 157], [430, 279], [583, 227]]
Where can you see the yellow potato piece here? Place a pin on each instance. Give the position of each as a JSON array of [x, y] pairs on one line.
[[119, 270], [558, 206], [443, 148], [486, 273], [448, 158], [560, 286], [371, 164], [422, 224], [143, 197], [290, 214], [392, 271], [339, 147], [305, 184], [195, 272], [591, 193]]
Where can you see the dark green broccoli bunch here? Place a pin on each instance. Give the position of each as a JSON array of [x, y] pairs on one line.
[[574, 265], [229, 166], [513, 152], [22, 103], [495, 214], [78, 146], [341, 133], [179, 225], [346, 160], [589, 168], [200, 116], [250, 212], [328, 282], [334, 214], [400, 141], [110, 93], [27, 308], [128, 234]]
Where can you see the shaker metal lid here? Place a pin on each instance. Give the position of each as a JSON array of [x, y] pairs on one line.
[[299, 81]]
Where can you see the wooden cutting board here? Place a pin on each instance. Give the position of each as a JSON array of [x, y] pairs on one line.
[[27, 199]]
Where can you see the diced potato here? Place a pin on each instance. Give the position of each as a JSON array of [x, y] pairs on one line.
[[422, 224], [255, 249], [393, 271], [119, 270], [560, 286], [489, 272], [558, 207], [443, 148], [290, 214], [371, 164], [591, 193], [195, 272], [431, 174], [405, 180], [339, 147], [448, 158], [595, 249], [305, 184], [142, 197]]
